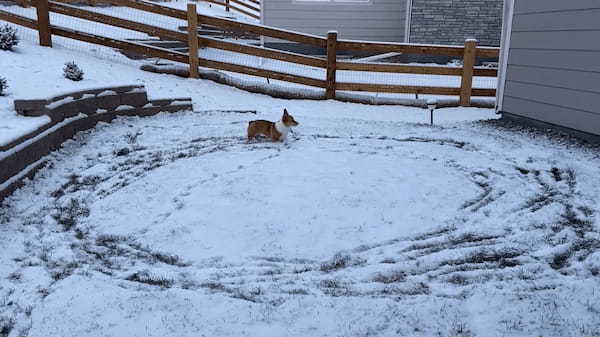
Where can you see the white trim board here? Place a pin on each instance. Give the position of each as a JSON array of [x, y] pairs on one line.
[[507, 22], [408, 20]]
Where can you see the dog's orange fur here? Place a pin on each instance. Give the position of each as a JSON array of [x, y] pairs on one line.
[[267, 128]]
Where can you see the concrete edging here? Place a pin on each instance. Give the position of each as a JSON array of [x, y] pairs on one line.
[[71, 113]]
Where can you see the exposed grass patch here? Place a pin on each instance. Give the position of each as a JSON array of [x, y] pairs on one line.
[[298, 291], [131, 137], [390, 277], [7, 324], [155, 256], [335, 288], [69, 214], [212, 285], [433, 234], [110, 240], [458, 279], [171, 259], [250, 296], [15, 276], [64, 272], [302, 269], [121, 152], [338, 261], [147, 278], [44, 292], [486, 255]]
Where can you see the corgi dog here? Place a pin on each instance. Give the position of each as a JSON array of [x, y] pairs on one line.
[[276, 131]]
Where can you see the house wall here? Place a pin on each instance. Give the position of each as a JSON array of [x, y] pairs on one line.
[[377, 20], [453, 21], [553, 66]]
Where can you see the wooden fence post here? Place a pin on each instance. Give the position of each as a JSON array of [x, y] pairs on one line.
[[192, 17], [43, 19], [227, 5], [331, 64], [466, 85]]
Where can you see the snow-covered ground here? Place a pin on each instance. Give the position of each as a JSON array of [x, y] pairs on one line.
[[47, 63], [44, 67], [364, 223], [367, 222]]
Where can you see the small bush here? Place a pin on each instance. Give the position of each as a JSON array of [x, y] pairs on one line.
[[3, 85], [8, 37], [73, 72]]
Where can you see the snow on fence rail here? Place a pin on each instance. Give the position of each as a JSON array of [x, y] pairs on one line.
[[330, 65]]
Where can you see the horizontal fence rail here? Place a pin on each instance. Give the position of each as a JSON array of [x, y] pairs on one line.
[[411, 48], [233, 25], [468, 53]]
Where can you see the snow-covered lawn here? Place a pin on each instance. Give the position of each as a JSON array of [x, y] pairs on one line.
[[367, 222], [362, 224]]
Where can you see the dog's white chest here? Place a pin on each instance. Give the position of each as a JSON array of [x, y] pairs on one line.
[[281, 128]]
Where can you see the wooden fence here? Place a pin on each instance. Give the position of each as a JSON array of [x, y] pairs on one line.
[[249, 8], [331, 43]]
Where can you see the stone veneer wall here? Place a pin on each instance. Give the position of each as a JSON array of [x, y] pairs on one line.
[[453, 21], [72, 113]]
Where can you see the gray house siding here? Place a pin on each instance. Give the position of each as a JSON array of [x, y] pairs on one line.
[[553, 66], [378, 20], [453, 21]]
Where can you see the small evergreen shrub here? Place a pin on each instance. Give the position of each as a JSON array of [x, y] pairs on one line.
[[73, 72], [3, 85], [8, 37]]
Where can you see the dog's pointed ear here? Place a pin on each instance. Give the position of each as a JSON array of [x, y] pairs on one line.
[[285, 112]]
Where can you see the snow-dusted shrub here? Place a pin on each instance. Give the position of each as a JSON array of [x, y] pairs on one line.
[[3, 85], [73, 72], [8, 37]]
